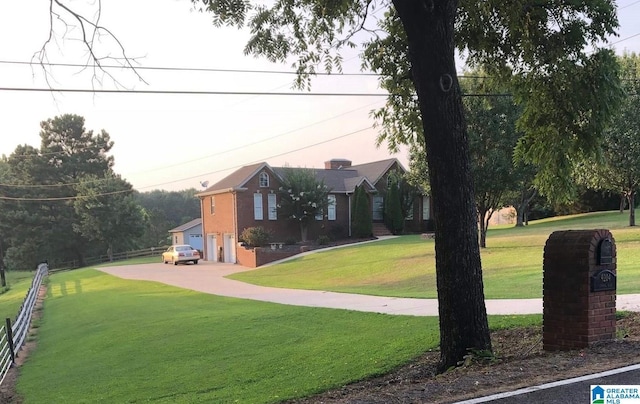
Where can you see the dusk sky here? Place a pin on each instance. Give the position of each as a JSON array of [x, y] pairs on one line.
[[175, 141]]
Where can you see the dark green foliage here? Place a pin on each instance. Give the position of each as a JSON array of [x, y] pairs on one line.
[[618, 170], [393, 217], [106, 211], [361, 225], [568, 95], [255, 236], [165, 210], [491, 126], [323, 240], [302, 196], [63, 202], [337, 232]]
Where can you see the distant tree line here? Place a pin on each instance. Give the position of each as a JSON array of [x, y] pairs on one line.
[[63, 201]]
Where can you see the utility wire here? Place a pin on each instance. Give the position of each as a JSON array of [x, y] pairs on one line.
[[188, 161], [628, 5], [184, 69], [70, 198], [188, 92], [257, 161]]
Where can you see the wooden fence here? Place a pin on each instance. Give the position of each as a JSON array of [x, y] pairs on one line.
[[146, 252], [13, 336]]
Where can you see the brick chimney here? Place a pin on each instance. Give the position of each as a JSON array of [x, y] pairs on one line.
[[337, 164]]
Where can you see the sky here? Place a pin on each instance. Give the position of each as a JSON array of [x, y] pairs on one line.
[[178, 141]]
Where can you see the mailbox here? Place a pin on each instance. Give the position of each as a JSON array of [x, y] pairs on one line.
[[605, 252]]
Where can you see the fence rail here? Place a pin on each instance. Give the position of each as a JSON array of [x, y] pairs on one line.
[[146, 252], [13, 336]]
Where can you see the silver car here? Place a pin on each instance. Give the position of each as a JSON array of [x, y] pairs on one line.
[[180, 253]]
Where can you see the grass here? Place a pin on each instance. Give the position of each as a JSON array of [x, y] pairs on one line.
[[105, 339], [405, 266], [131, 261], [11, 298]]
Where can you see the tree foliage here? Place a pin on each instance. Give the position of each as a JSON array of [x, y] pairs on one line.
[[40, 190], [393, 201], [567, 95], [108, 214], [361, 224], [618, 170], [302, 197], [491, 123], [165, 210], [538, 48]]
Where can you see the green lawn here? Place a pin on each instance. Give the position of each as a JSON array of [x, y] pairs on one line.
[[405, 266], [103, 339], [107, 340], [11, 297]]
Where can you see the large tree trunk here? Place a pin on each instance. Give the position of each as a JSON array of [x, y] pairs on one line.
[[463, 315]]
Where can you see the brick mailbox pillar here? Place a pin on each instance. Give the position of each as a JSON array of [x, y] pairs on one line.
[[579, 289]]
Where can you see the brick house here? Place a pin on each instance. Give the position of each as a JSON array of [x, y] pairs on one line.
[[249, 196]]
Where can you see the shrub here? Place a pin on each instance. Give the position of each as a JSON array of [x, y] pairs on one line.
[[361, 220], [290, 241], [337, 232], [323, 240], [255, 236]]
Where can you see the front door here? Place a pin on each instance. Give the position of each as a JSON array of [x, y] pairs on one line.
[[378, 207]]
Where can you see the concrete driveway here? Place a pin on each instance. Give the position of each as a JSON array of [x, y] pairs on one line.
[[209, 277]]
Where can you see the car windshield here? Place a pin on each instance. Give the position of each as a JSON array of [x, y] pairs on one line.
[[183, 248]]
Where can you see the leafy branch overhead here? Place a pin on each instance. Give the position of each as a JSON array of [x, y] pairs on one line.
[[312, 32]]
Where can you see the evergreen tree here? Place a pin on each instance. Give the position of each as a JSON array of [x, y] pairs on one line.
[[361, 224], [392, 207]]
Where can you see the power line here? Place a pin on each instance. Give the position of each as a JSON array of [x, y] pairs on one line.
[[623, 39], [628, 5], [257, 161], [188, 161], [63, 198], [184, 69], [70, 198], [188, 92]]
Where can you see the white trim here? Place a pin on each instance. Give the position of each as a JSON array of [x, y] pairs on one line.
[[549, 385]]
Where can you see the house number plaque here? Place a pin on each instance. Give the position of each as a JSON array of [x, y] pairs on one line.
[[603, 281]]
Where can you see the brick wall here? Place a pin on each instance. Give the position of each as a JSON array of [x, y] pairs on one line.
[[573, 315]]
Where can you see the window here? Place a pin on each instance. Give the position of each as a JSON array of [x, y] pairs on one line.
[[331, 209], [319, 214], [410, 212], [213, 205], [264, 180], [257, 207], [271, 206], [426, 208]]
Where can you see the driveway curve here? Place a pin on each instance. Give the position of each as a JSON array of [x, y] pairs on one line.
[[209, 277]]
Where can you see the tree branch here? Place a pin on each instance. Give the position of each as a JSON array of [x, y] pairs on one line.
[[91, 32]]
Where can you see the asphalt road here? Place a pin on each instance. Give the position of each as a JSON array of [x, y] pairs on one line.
[[576, 390]]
